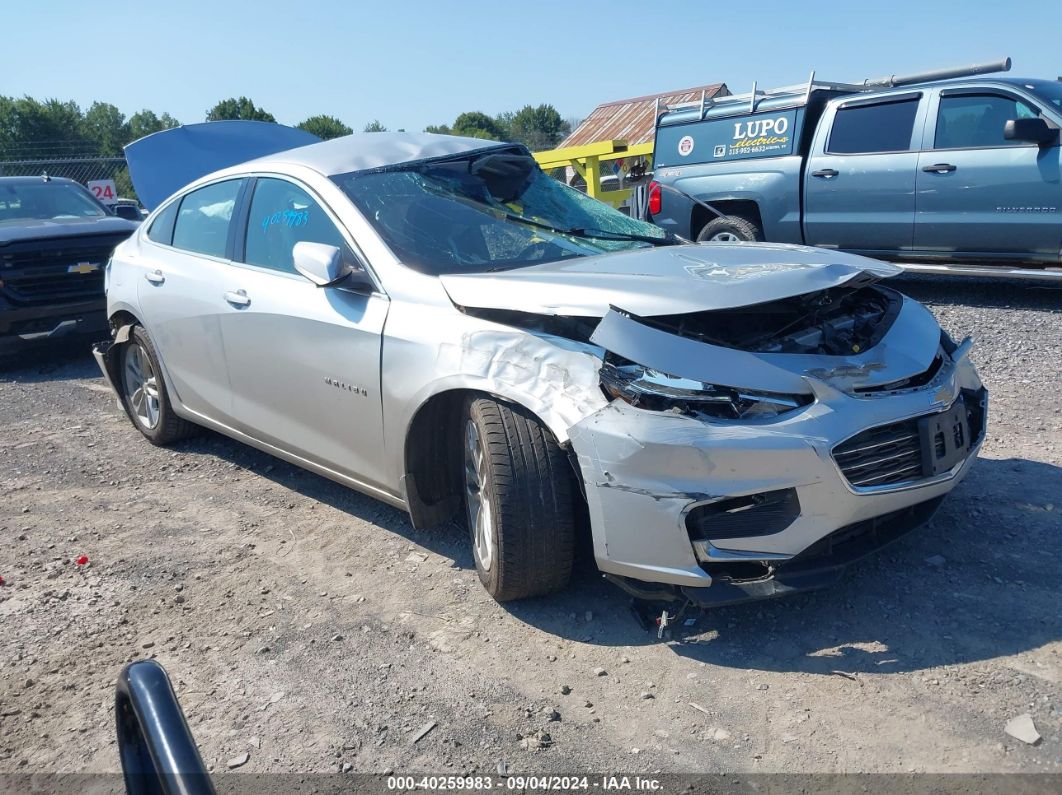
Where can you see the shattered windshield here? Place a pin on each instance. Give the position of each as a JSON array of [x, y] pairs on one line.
[[493, 211]]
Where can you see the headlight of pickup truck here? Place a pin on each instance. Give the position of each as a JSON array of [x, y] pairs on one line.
[[656, 391]]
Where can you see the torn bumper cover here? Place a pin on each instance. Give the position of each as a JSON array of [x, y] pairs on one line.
[[105, 353], [756, 508]]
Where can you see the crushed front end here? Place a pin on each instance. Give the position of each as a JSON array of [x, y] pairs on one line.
[[756, 452]]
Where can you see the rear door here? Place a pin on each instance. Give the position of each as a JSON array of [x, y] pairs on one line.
[[304, 361], [860, 177], [980, 195], [183, 267]]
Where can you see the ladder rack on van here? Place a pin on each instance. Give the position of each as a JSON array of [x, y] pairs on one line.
[[800, 94]]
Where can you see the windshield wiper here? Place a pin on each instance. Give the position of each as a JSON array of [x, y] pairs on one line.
[[669, 238]]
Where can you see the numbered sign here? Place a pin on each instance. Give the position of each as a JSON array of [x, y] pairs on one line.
[[104, 190]]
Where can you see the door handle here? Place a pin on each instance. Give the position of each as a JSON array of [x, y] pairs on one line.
[[155, 277], [939, 168], [238, 298], [825, 173]]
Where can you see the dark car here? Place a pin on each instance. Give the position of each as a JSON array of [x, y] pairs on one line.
[[55, 240]]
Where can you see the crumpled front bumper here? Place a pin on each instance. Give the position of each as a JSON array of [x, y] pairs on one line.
[[644, 471]]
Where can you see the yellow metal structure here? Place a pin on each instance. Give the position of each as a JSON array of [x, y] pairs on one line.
[[587, 160]]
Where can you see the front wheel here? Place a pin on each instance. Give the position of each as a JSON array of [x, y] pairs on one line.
[[144, 392], [519, 500], [730, 229]]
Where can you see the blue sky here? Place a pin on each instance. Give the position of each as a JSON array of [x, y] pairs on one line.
[[419, 62]]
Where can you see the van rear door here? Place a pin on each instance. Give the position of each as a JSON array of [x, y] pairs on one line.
[[980, 195], [859, 190]]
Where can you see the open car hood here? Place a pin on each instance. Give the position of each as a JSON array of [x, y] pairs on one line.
[[665, 280], [162, 163]]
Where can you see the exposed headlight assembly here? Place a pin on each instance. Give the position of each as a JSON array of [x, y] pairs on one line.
[[649, 389]]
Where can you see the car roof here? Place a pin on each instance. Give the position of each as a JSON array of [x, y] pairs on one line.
[[38, 180], [369, 151]]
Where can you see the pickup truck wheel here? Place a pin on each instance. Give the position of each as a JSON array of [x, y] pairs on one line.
[[144, 393], [730, 229], [519, 500]]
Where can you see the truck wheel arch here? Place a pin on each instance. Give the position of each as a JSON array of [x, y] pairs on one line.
[[746, 209]]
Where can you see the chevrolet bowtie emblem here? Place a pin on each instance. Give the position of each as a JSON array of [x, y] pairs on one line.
[[83, 267]]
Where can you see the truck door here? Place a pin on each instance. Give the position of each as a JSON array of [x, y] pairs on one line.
[[980, 195], [860, 177]]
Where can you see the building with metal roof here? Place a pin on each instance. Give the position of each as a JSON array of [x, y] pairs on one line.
[[632, 120]]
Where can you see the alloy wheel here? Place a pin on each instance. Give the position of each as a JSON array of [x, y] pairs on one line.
[[478, 498], [142, 386]]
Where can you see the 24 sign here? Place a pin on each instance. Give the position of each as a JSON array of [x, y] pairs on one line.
[[104, 190]]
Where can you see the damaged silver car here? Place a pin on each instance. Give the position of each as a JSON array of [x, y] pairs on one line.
[[434, 321]]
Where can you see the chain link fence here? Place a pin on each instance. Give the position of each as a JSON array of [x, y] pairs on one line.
[[80, 168]]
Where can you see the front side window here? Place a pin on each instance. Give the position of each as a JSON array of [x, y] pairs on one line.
[[488, 211], [865, 129], [970, 121], [203, 219], [281, 215], [46, 201]]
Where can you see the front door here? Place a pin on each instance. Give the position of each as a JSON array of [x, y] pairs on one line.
[[980, 195], [304, 361], [860, 181]]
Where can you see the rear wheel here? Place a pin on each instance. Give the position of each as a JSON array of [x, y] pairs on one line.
[[144, 392], [519, 500], [730, 229]]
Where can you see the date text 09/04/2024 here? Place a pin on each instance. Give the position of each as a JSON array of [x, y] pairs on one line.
[[522, 783]]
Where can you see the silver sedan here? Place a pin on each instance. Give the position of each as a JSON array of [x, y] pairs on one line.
[[434, 321]]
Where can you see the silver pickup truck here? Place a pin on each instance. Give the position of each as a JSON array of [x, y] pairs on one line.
[[925, 168]]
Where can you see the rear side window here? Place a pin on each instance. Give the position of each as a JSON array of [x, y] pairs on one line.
[[865, 129], [161, 229], [203, 219], [970, 121], [283, 214]]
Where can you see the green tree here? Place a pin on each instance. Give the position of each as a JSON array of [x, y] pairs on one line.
[[504, 122], [439, 129], [29, 127], [325, 127], [538, 127], [241, 109], [375, 126], [476, 124], [145, 122], [105, 126]]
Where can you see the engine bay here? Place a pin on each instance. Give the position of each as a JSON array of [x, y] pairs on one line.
[[839, 321]]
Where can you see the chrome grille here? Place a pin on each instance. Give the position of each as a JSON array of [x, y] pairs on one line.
[[882, 456]]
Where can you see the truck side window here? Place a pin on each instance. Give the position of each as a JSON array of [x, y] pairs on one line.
[[971, 121], [865, 129]]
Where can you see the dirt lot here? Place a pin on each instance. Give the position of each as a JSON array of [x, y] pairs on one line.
[[313, 628]]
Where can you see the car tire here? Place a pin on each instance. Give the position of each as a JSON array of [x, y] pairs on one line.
[[144, 392], [730, 229], [519, 495]]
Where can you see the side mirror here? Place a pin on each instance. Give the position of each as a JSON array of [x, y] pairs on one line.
[[156, 748], [1032, 130], [127, 211], [324, 266]]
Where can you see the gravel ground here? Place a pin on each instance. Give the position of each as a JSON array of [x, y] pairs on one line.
[[312, 628]]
